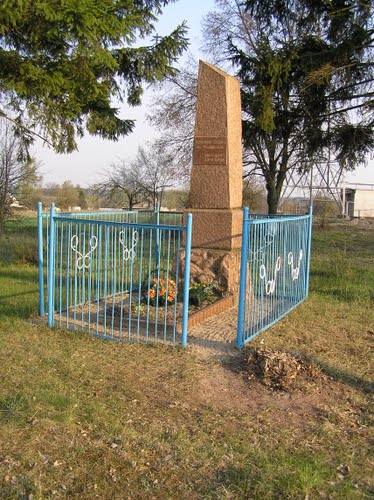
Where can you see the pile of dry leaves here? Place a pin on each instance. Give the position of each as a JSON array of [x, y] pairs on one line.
[[278, 369]]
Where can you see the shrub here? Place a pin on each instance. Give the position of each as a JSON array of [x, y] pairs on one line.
[[26, 250], [201, 292]]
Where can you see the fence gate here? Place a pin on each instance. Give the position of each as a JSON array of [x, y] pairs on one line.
[[274, 274]]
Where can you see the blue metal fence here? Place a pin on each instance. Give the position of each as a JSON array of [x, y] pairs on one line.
[[117, 274], [117, 279], [274, 275], [134, 216]]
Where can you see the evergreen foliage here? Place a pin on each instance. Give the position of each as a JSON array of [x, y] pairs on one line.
[[307, 80], [63, 63]]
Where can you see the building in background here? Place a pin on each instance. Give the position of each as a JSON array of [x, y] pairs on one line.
[[359, 201]]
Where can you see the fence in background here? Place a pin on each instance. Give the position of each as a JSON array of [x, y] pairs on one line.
[[274, 275], [116, 274]]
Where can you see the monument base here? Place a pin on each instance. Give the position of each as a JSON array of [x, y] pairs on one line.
[[211, 265], [219, 228]]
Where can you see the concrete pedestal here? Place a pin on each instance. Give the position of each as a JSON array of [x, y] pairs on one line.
[[221, 229]]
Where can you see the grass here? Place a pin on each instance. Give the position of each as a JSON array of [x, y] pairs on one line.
[[84, 418]]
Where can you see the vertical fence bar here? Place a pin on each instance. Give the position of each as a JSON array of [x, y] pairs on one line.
[[177, 260], [51, 274], [243, 278], [157, 232], [186, 281], [310, 221], [40, 259]]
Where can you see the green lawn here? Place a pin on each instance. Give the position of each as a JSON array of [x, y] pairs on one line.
[[85, 418]]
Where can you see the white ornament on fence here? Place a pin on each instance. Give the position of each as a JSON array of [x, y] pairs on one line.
[[129, 253], [83, 261], [267, 242], [270, 284], [295, 270]]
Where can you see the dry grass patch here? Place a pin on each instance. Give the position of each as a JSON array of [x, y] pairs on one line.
[[80, 417], [84, 418]]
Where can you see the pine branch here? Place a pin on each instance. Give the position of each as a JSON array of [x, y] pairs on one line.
[[23, 127], [344, 110]]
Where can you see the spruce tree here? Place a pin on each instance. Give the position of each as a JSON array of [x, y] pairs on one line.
[[64, 64], [306, 84]]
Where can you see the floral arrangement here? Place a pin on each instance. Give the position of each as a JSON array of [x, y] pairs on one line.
[[157, 292]]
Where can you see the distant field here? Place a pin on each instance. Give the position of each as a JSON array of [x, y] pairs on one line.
[[85, 418]]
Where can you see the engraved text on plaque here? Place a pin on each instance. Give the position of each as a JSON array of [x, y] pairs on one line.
[[209, 151]]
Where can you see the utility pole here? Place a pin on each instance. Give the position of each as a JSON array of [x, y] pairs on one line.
[[343, 193]]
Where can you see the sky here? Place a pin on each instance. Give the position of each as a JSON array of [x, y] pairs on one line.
[[94, 156]]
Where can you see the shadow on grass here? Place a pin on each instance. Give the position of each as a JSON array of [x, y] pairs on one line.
[[10, 296], [349, 295], [322, 273], [29, 275], [18, 312], [363, 385]]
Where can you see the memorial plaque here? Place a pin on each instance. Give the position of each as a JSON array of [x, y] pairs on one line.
[[209, 151]]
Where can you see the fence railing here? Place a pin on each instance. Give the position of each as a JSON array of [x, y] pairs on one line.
[[134, 217], [117, 279], [117, 275], [274, 276]]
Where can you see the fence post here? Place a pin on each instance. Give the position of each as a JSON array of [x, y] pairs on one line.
[[40, 259], [186, 281], [309, 249], [50, 286], [243, 278]]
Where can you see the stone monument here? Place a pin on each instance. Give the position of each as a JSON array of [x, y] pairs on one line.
[[216, 179]]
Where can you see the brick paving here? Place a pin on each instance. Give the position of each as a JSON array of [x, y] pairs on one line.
[[216, 336]]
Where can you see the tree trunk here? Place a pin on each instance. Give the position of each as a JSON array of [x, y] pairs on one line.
[[272, 197]]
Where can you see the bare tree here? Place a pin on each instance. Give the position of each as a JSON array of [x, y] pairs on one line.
[[144, 179], [174, 113], [157, 171], [16, 169], [121, 184]]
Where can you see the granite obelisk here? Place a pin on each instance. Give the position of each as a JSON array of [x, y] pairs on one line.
[[216, 179]]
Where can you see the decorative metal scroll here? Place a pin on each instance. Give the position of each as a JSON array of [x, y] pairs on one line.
[[267, 241], [295, 270], [83, 261], [129, 253], [270, 283]]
